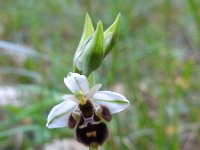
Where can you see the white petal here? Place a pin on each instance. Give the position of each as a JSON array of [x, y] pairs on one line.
[[76, 82], [58, 117], [70, 97], [93, 90], [115, 102]]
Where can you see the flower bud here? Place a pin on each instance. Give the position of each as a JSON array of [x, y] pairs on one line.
[[111, 35], [94, 46], [91, 52], [88, 30]]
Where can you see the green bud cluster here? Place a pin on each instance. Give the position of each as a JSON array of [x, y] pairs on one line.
[[94, 45]]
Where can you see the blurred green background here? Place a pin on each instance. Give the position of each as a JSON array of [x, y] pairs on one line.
[[155, 64]]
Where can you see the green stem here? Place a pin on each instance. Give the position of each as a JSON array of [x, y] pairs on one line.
[[93, 148], [91, 79]]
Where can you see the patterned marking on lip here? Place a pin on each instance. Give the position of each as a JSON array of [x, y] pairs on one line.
[[91, 134]]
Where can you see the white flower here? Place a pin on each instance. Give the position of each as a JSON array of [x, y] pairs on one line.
[[79, 86]]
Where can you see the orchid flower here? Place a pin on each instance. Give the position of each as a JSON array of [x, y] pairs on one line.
[[86, 109]]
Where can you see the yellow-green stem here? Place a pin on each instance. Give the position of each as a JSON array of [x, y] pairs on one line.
[[93, 148]]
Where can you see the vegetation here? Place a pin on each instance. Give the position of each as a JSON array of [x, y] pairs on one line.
[[155, 64]]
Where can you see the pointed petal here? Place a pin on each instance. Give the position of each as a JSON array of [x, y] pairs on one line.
[[93, 90], [76, 82], [70, 97], [115, 102], [58, 117], [111, 34]]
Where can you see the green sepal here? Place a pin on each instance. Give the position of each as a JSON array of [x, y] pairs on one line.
[[88, 30], [111, 35], [94, 51]]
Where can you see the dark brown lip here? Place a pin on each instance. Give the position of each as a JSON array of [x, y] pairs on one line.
[[91, 128], [92, 133]]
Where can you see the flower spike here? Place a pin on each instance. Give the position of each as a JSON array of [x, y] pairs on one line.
[[87, 109]]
